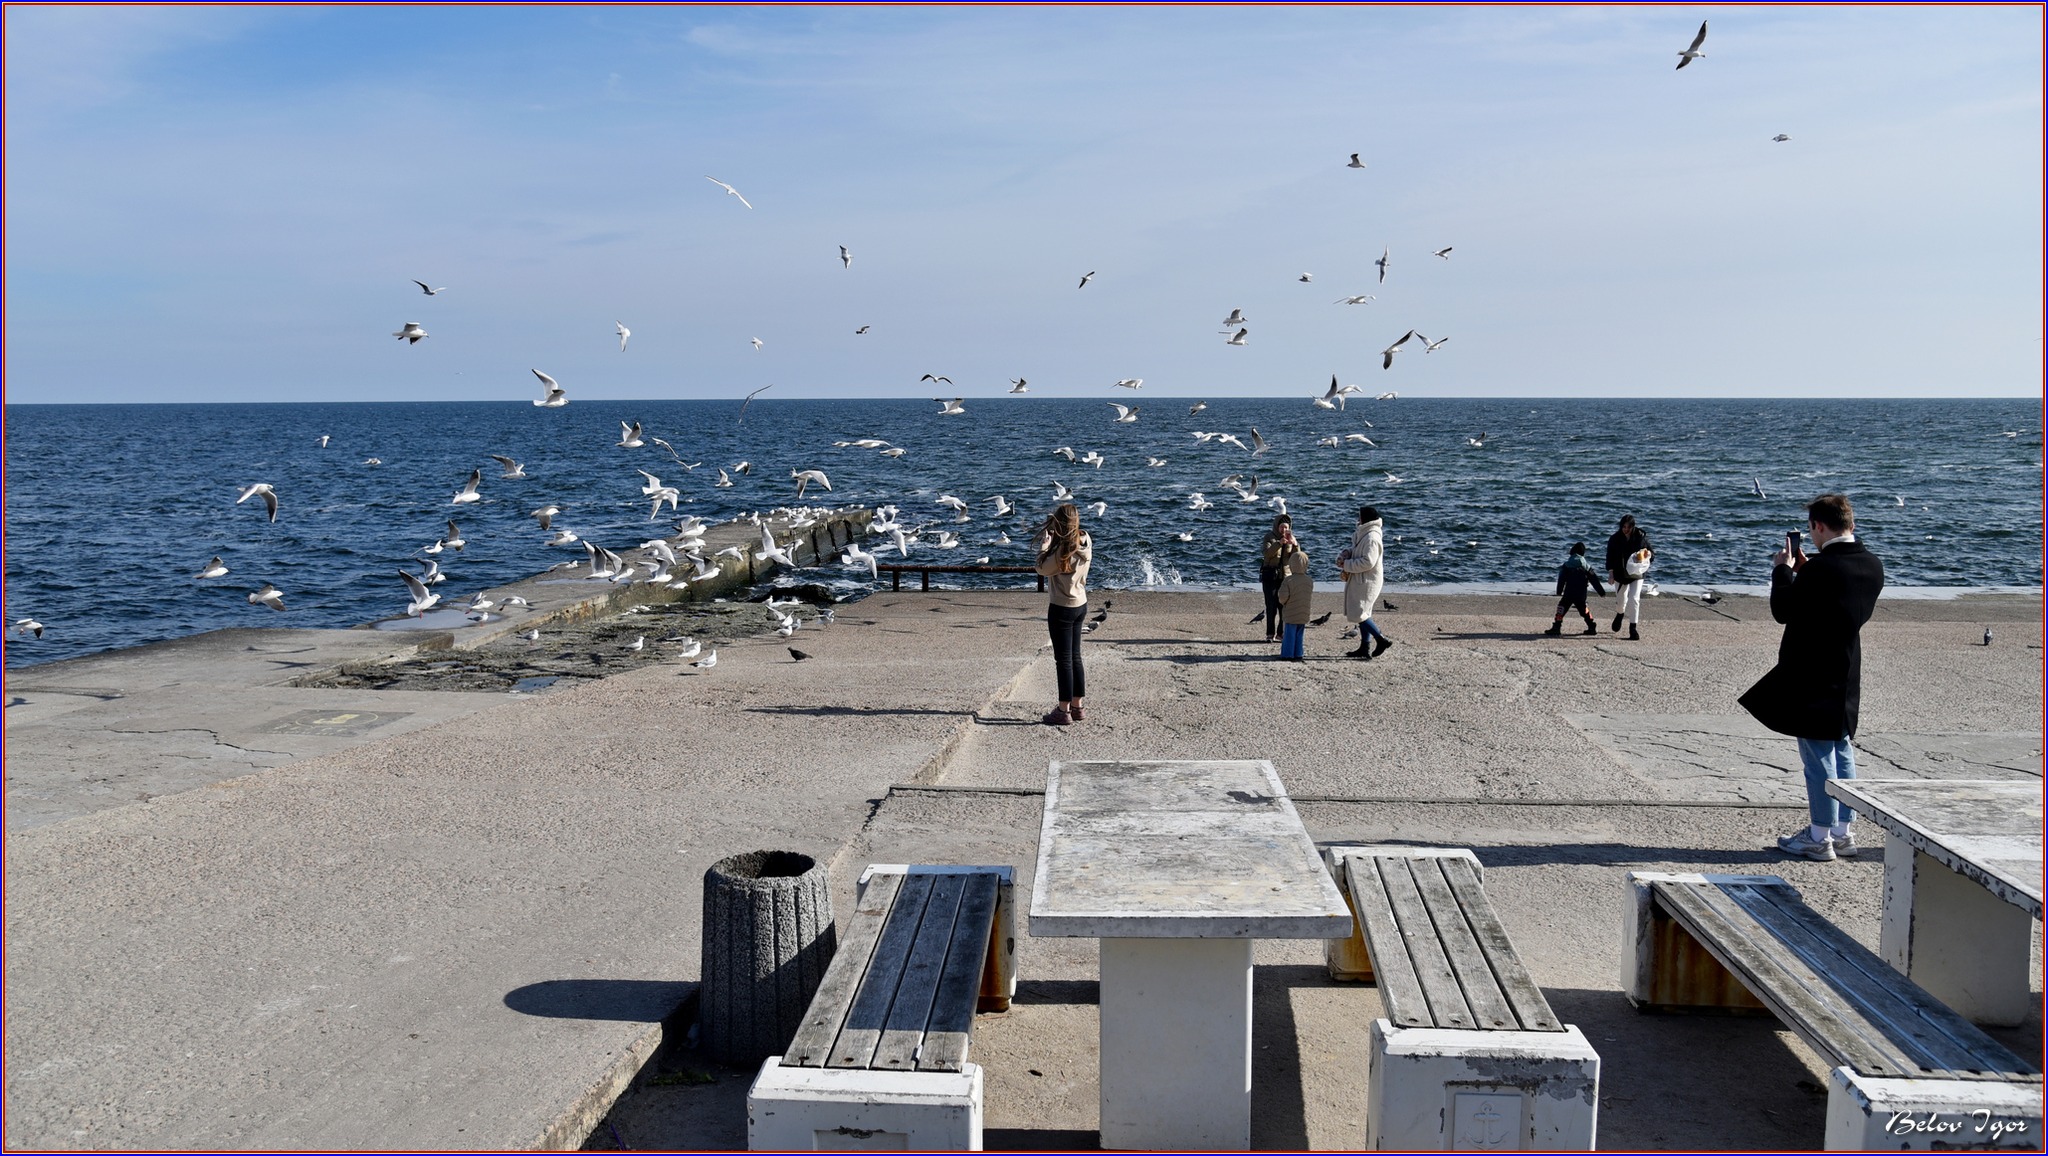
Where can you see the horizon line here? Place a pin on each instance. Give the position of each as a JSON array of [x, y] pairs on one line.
[[923, 400]]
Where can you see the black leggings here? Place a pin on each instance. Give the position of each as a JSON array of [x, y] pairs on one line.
[[1269, 581], [1065, 624]]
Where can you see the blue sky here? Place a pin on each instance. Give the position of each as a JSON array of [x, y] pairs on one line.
[[229, 203]]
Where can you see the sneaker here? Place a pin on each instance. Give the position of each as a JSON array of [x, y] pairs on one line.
[[1556, 629], [1805, 846], [1380, 647], [1057, 717], [1844, 844], [1632, 635], [1616, 627]]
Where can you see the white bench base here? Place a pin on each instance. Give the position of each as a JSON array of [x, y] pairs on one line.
[[1948, 934], [857, 1110], [1870, 1114], [1450, 1089]]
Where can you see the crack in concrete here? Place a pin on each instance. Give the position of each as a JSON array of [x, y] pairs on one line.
[[212, 734]]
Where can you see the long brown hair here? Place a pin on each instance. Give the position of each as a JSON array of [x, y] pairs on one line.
[[1064, 526]]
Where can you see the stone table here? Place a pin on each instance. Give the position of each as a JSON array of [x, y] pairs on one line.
[[1176, 867], [1962, 886]]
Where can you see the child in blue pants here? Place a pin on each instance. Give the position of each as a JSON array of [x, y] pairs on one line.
[[1294, 594]]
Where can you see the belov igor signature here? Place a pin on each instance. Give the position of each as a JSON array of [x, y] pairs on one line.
[[1980, 1122]]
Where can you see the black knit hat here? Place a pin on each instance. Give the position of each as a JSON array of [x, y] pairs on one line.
[[1578, 547]]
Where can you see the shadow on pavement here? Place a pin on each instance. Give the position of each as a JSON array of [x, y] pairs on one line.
[[634, 1000]]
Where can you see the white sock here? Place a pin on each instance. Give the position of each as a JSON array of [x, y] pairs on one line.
[[1839, 831], [1818, 832]]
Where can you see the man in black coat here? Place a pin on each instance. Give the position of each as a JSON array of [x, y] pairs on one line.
[[1823, 599]]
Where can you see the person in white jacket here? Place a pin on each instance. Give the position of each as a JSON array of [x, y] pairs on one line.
[[1360, 565]]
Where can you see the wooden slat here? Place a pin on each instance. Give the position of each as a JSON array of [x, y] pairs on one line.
[[1531, 1010], [903, 1030], [870, 1011], [1432, 968], [1802, 1000], [1393, 971], [1489, 1006], [827, 1013], [1945, 1044], [945, 1035]]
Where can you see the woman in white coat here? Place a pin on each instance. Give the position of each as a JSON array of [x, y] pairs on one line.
[[1360, 565]]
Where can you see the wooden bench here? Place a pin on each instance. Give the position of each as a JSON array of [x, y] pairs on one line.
[[1469, 1053], [1907, 1072], [880, 1059]]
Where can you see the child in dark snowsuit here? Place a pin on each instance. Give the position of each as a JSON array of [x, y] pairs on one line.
[[1572, 578]]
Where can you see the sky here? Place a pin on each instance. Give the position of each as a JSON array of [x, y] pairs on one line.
[[230, 203]]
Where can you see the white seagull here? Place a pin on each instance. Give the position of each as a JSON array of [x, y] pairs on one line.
[[757, 348], [1781, 137], [511, 468], [706, 662], [1692, 51], [213, 569], [1337, 393], [950, 407], [624, 333], [430, 292], [556, 398], [1197, 408], [262, 490], [411, 333], [423, 599], [1085, 278], [467, 493], [1092, 458], [1124, 413], [1361, 299], [729, 189], [1017, 385], [1444, 252], [1387, 354], [805, 477], [1431, 346], [1238, 338], [1130, 383], [845, 257], [1236, 318], [629, 436], [1386, 252], [1355, 162], [268, 596]]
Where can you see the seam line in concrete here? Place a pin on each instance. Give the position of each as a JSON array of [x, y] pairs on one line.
[[1473, 801]]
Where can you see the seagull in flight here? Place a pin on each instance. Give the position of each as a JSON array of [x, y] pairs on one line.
[[1306, 278], [24, 627], [1361, 299], [1385, 253], [213, 569], [423, 599], [1236, 317], [430, 292], [1066, 452], [624, 333], [556, 398], [756, 343], [1692, 51], [1387, 354], [1337, 393], [1093, 458], [729, 189], [1155, 463], [1125, 413], [805, 477], [1359, 437], [1387, 396], [1430, 347], [1197, 408], [1355, 162], [1239, 338], [1017, 385], [845, 257], [861, 330], [1085, 278], [629, 436], [936, 378], [1477, 443], [467, 493], [1258, 447], [1781, 137], [1756, 486], [262, 490], [1444, 252], [411, 333], [511, 468], [269, 596], [950, 407], [1130, 383]]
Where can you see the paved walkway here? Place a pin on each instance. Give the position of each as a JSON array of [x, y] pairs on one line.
[[463, 930]]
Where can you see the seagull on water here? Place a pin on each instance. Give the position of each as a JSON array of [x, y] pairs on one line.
[[556, 398], [423, 599], [213, 569], [411, 333], [1692, 51], [467, 493], [729, 189], [262, 490], [1387, 354], [269, 596], [1387, 396], [427, 291]]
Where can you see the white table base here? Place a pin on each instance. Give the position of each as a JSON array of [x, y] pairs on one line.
[[1948, 934], [1176, 1044]]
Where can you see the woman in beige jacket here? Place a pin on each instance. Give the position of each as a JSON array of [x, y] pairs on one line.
[[1360, 565], [1064, 554]]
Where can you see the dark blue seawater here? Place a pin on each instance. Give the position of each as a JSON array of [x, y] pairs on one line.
[[110, 509]]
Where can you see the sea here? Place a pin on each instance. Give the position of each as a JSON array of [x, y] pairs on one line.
[[110, 510]]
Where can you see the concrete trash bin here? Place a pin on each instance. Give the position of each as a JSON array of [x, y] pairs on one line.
[[768, 936]]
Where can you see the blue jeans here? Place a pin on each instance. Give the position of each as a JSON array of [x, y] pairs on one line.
[[1368, 628], [1290, 640], [1826, 759]]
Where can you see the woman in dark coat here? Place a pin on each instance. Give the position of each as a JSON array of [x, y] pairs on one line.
[[1628, 538]]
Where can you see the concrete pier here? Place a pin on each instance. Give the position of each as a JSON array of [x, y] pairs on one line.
[[470, 921]]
